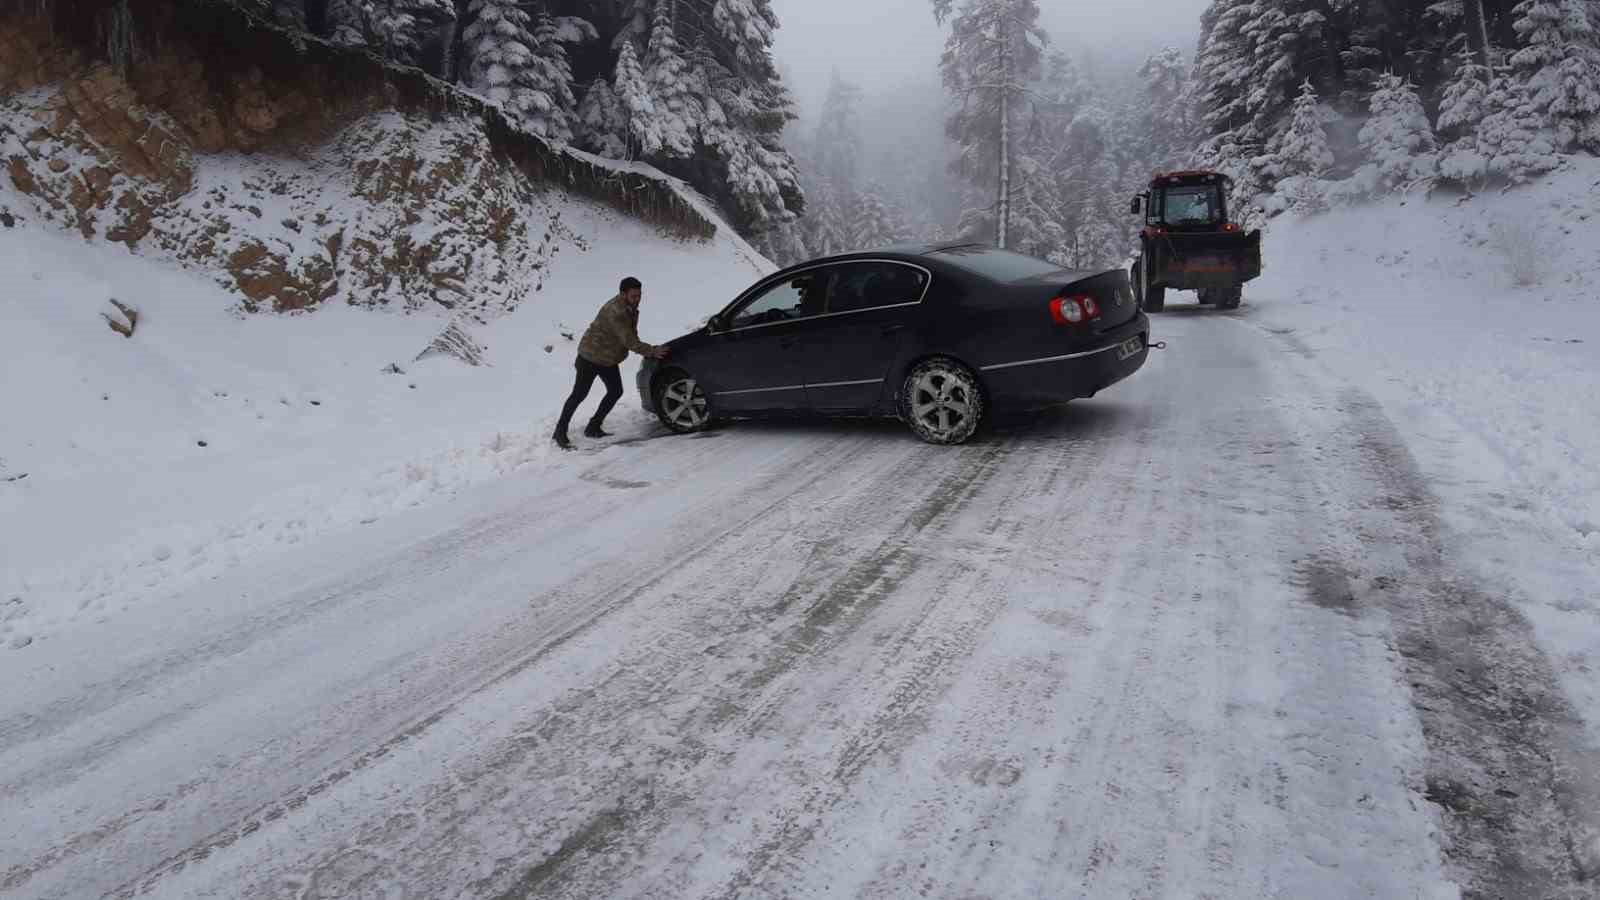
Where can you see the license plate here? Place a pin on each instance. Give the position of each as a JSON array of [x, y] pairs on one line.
[[1129, 347]]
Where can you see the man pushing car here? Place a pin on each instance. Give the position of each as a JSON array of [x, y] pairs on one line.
[[604, 348]]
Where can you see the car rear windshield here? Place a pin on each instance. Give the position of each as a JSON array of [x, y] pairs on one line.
[[1000, 265]]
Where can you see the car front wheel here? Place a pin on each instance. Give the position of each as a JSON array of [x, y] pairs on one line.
[[681, 403], [942, 402]]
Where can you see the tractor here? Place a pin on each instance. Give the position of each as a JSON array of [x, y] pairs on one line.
[[1189, 244]]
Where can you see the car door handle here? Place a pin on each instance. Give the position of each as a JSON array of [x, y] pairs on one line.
[[787, 343], [891, 329]]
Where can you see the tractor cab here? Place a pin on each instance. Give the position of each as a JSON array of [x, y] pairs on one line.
[[1186, 201], [1188, 242]]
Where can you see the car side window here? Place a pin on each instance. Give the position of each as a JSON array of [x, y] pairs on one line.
[[792, 298], [865, 285]]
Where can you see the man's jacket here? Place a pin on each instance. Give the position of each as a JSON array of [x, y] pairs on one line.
[[614, 332]]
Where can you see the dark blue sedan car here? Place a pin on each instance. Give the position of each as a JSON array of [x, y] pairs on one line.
[[934, 335]]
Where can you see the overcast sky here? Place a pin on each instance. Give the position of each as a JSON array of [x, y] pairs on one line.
[[881, 44]]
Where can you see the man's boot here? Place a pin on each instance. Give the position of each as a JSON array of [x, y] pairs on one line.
[[562, 440], [595, 431]]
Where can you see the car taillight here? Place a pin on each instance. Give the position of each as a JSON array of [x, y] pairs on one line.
[[1074, 310], [1230, 227]]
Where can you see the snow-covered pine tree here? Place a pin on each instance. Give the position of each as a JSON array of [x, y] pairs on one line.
[[1243, 164], [679, 114], [641, 127], [1515, 139], [1165, 122], [1300, 156], [633, 17], [1279, 33], [1397, 138], [398, 29], [1091, 196], [836, 147], [545, 100], [827, 224], [1462, 109], [498, 51], [1302, 148], [991, 57], [1037, 212], [1559, 65], [1222, 71], [602, 123], [835, 152], [346, 22], [745, 110], [747, 27], [747, 106], [876, 223], [1253, 55]]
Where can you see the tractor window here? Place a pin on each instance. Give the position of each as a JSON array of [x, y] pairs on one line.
[[1193, 205]]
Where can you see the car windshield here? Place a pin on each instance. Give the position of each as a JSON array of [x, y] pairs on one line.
[[1199, 204], [1000, 265]]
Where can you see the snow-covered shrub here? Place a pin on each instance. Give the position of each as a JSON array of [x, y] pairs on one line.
[[1519, 242]]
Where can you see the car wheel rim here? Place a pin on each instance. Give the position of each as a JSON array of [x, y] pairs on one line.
[[941, 403], [685, 403]]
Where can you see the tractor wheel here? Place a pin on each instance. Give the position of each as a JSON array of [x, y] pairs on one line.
[[1155, 298], [1206, 296], [1151, 298]]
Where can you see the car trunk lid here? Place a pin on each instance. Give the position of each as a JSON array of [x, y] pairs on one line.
[[1110, 291]]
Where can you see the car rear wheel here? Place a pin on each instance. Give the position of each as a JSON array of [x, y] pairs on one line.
[[681, 403], [941, 401], [1230, 298]]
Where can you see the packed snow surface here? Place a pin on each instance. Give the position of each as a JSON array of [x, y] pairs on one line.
[[1306, 608]]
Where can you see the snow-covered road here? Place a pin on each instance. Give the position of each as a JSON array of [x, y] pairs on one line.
[[1203, 636]]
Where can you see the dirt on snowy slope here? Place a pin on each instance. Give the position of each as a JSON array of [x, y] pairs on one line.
[[296, 171]]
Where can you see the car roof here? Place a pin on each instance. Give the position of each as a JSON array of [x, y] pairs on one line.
[[907, 252]]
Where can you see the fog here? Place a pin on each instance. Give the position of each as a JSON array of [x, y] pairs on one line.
[[883, 44]]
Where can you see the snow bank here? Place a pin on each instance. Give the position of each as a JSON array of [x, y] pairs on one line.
[[132, 466], [1485, 310], [1476, 323]]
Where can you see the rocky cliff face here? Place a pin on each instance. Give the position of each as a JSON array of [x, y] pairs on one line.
[[297, 172]]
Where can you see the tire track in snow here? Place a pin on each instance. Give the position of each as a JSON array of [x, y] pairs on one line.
[[1509, 765], [831, 600], [486, 540], [1509, 760], [628, 692], [589, 605], [1127, 741]]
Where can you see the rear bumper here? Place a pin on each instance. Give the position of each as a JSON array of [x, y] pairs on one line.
[[1056, 380], [1213, 277]]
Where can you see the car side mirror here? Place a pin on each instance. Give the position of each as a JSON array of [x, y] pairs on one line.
[[1136, 205]]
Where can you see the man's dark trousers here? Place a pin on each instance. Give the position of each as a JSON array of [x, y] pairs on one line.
[[587, 373]]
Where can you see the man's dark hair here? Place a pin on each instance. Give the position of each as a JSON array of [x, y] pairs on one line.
[[631, 284]]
